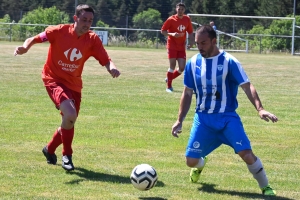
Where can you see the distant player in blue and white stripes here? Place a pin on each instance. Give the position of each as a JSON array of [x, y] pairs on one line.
[[214, 76]]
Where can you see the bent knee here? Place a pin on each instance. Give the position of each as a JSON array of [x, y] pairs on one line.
[[71, 118], [247, 156], [192, 162]]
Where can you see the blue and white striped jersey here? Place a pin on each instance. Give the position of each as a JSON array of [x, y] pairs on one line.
[[215, 81]]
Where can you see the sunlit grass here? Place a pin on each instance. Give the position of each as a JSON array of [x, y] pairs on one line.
[[127, 121]]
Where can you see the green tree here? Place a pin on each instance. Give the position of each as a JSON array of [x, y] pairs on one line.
[[255, 38], [6, 28], [50, 16], [111, 32], [282, 27], [149, 19], [47, 16]]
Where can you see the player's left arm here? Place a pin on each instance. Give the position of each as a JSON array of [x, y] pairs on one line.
[[100, 54], [112, 69], [190, 32], [191, 40], [252, 95]]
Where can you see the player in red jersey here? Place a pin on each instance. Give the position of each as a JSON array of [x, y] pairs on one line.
[[175, 28], [70, 46]]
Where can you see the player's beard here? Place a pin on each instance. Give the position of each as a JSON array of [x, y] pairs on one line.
[[208, 53], [180, 14], [85, 29]]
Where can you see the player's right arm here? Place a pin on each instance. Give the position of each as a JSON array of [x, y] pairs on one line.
[[185, 104], [166, 27], [29, 42], [176, 35]]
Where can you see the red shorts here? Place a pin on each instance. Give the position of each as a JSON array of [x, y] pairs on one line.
[[176, 54], [59, 92]]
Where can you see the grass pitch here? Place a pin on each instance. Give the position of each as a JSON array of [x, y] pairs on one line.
[[127, 121]]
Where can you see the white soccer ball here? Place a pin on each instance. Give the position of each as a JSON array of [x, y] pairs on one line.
[[143, 177]]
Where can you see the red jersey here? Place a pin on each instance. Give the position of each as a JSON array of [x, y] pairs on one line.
[[68, 53], [175, 24]]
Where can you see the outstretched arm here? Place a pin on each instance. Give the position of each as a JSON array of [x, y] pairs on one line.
[[185, 103], [26, 46], [252, 95]]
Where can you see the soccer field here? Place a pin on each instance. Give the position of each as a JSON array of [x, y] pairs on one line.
[[127, 121]]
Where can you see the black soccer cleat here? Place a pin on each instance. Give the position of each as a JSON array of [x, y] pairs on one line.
[[51, 158], [67, 163]]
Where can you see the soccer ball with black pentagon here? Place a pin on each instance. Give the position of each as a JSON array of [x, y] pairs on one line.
[[143, 177]]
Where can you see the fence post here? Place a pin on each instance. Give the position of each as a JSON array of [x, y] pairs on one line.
[[156, 39], [260, 43], [126, 30], [293, 37], [10, 31]]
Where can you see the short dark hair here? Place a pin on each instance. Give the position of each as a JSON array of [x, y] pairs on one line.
[[207, 29], [83, 7], [180, 4]]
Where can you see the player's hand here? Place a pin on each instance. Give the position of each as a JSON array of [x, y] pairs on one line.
[[265, 115], [189, 46], [177, 35], [176, 129], [114, 72], [20, 50]]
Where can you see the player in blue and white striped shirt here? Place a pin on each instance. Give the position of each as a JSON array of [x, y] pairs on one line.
[[214, 76]]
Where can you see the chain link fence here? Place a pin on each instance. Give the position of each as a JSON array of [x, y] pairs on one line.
[[149, 38]]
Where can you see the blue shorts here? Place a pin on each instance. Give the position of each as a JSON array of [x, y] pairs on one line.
[[209, 131]]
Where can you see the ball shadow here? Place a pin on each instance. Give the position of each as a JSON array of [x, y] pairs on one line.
[[90, 175]]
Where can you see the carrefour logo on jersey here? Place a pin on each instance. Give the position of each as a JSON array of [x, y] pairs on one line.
[[181, 28], [72, 55]]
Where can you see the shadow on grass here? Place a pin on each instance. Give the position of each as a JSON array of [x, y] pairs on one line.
[[85, 174], [152, 198], [210, 188]]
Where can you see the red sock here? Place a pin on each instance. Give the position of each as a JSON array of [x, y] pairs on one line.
[[170, 79], [176, 74], [67, 139], [55, 142]]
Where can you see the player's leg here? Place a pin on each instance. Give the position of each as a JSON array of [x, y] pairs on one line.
[[256, 168], [172, 64], [54, 92], [69, 116], [238, 140], [49, 149], [64, 99], [181, 59], [201, 142]]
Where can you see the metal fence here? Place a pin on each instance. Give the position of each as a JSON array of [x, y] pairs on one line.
[[149, 38]]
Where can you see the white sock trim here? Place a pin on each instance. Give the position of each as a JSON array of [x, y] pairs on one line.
[[170, 70], [200, 163]]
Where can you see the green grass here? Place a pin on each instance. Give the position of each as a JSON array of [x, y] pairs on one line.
[[127, 121]]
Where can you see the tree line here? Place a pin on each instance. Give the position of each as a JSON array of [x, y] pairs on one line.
[[114, 12], [145, 14]]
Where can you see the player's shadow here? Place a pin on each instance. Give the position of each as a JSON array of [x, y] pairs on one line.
[[152, 198], [85, 174], [210, 188]]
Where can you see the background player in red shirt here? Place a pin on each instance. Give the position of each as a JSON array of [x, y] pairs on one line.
[[175, 28], [70, 46]]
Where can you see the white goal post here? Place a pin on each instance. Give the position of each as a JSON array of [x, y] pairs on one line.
[[256, 17], [218, 39]]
